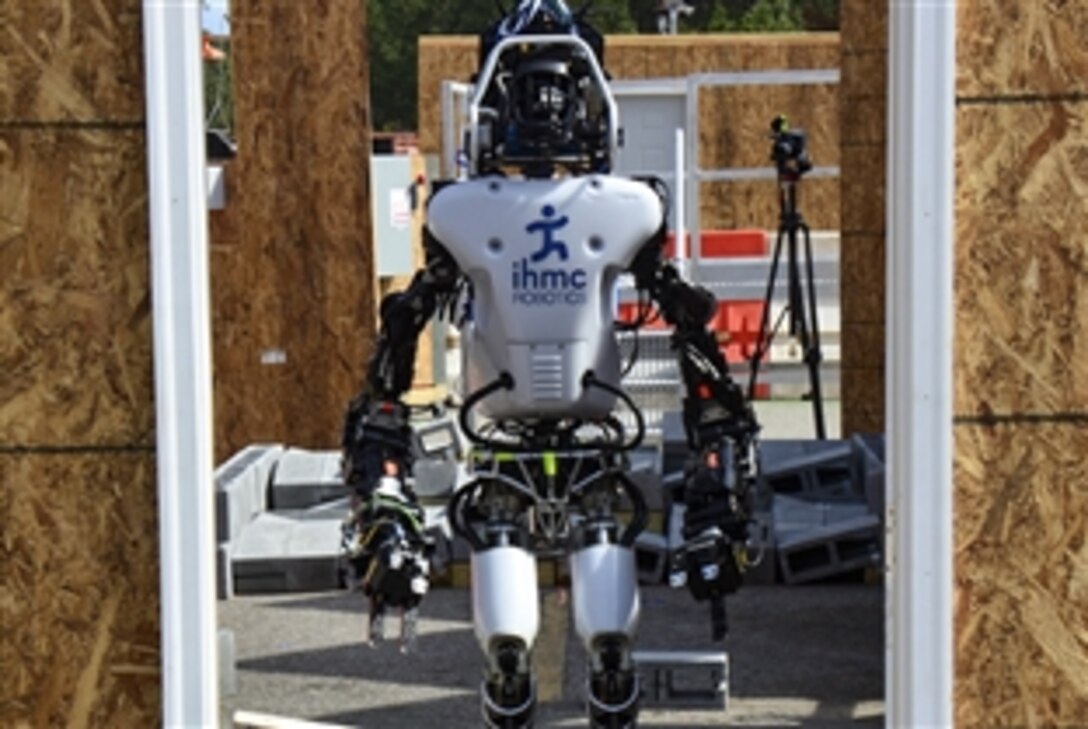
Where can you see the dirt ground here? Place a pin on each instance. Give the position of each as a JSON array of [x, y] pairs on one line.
[[799, 657]]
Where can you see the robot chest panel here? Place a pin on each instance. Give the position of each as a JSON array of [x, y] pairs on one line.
[[541, 251]]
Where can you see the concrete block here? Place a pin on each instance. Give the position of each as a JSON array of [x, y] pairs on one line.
[[328, 511], [818, 470], [224, 572], [793, 516], [672, 678], [306, 478], [869, 459], [827, 551], [234, 507], [289, 552], [263, 471], [241, 488]]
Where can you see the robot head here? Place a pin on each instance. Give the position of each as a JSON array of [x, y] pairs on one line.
[[542, 101]]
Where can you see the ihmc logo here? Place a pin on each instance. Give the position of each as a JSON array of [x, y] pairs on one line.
[[536, 286]]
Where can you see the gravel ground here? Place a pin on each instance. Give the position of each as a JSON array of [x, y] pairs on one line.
[[800, 657]]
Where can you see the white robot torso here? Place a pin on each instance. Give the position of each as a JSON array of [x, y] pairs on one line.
[[543, 257]]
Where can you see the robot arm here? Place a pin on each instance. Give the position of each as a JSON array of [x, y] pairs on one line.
[[376, 435], [720, 426], [384, 538]]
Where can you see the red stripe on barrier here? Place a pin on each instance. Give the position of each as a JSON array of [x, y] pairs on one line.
[[723, 244], [732, 243]]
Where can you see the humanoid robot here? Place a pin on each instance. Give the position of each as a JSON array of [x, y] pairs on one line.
[[524, 254]]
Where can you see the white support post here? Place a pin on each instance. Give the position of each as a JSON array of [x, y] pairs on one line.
[[449, 132], [693, 189], [921, 196], [179, 263], [680, 231]]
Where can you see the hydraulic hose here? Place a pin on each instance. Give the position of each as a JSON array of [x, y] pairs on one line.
[[590, 380], [504, 382]]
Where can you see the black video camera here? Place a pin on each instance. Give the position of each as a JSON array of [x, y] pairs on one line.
[[788, 151]]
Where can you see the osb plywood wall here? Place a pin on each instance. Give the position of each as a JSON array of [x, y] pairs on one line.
[[292, 264], [733, 123], [1021, 364], [864, 32], [78, 537]]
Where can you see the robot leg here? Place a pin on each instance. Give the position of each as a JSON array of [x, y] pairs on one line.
[[506, 612], [606, 608]]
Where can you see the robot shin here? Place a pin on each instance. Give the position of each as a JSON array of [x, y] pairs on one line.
[[606, 609], [605, 593], [506, 613], [505, 604]]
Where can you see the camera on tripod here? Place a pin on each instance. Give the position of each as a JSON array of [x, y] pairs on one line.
[[788, 151], [792, 161]]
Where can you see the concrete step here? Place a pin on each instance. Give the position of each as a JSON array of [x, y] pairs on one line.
[[289, 551], [306, 478], [241, 488]]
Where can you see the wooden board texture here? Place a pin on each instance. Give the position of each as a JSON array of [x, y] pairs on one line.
[[78, 535], [75, 311], [754, 204], [732, 122], [863, 25], [71, 60], [1014, 48], [294, 283], [1022, 259], [1021, 627], [79, 566], [1021, 383], [862, 132]]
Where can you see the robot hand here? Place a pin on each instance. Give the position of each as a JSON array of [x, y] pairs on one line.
[[383, 539], [717, 497], [712, 560]]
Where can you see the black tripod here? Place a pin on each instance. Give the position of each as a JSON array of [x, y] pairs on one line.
[[792, 162]]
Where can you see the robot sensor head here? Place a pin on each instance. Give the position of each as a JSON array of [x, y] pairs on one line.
[[544, 103]]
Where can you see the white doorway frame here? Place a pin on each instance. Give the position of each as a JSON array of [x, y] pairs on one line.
[[921, 202], [183, 384], [920, 312]]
